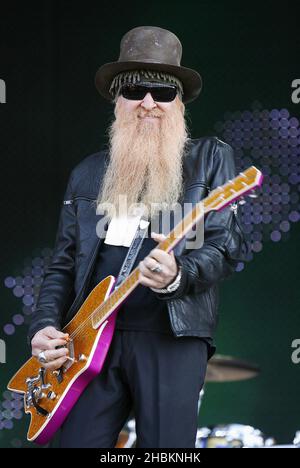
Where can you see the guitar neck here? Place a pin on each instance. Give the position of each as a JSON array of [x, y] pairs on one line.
[[215, 201]]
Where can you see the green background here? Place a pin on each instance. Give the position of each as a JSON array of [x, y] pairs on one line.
[[49, 52]]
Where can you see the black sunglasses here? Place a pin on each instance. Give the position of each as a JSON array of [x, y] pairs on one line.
[[159, 92]]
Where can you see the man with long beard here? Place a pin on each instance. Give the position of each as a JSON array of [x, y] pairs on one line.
[[157, 360], [147, 141]]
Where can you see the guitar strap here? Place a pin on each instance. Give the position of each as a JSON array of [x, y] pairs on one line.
[[132, 251]]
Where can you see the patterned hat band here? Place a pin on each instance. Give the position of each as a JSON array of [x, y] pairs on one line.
[[136, 76]]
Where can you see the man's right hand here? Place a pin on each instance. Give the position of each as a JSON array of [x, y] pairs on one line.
[[47, 340]]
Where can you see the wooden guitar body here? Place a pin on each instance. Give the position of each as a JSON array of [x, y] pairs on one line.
[[56, 392]]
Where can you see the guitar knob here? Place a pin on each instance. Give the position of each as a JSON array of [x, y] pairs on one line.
[[82, 357], [51, 395]]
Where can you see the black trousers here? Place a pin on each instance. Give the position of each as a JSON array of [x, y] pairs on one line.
[[155, 375]]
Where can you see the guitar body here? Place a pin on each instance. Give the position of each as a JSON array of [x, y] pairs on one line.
[[57, 392]]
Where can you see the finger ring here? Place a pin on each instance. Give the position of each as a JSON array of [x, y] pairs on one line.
[[156, 269], [42, 358]]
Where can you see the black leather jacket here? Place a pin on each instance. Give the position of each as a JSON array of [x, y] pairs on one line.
[[193, 307]]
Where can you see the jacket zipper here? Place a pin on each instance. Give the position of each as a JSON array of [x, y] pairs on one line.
[[70, 202]]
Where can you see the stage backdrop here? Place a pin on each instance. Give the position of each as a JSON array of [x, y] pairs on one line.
[[52, 117]]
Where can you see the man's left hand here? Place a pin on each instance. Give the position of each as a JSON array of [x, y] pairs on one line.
[[165, 260]]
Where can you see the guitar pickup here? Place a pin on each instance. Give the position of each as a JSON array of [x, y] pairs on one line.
[[71, 357]]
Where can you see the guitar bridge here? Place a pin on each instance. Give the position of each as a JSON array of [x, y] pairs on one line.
[[35, 391]]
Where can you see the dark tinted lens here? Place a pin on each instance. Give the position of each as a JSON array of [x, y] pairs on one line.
[[164, 93], [134, 92], [159, 94]]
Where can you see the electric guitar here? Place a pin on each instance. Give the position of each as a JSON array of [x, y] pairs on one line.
[[50, 395]]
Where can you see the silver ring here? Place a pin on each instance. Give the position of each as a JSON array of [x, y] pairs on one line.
[[156, 269], [42, 358]]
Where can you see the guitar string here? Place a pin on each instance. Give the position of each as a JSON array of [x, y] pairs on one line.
[[88, 320], [83, 326], [86, 323]]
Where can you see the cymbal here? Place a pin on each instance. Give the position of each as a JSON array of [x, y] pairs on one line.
[[222, 368]]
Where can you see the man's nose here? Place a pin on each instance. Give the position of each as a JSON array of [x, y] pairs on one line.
[[148, 102]]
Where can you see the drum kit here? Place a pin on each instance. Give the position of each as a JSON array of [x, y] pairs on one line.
[[220, 369]]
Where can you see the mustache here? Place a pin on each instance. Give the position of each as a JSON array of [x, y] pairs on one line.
[[153, 113]]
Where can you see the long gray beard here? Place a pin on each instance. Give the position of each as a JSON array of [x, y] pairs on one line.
[[155, 179]]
